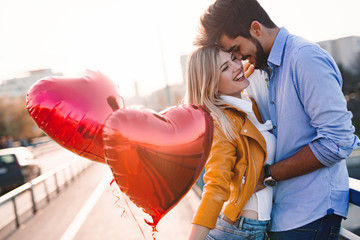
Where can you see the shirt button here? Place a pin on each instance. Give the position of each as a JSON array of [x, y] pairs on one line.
[[234, 120], [245, 131], [272, 102], [274, 127]]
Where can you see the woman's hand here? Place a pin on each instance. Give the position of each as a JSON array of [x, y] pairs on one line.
[[248, 68], [198, 232]]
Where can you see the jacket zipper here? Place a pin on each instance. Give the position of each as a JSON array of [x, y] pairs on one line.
[[243, 182]]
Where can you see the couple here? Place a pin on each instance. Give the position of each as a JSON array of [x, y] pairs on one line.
[[284, 163]]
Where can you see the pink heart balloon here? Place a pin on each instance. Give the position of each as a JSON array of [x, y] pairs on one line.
[[157, 157], [72, 111]]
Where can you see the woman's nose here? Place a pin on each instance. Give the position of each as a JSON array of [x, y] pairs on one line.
[[236, 64]]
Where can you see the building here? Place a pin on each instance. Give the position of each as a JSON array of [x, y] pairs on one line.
[[17, 87], [345, 51], [159, 100], [183, 64]]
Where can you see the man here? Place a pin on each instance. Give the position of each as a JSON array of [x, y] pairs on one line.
[[308, 110]]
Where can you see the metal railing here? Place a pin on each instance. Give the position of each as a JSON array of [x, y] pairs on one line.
[[67, 171], [355, 200]]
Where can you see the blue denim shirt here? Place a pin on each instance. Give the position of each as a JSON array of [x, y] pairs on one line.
[[307, 106]]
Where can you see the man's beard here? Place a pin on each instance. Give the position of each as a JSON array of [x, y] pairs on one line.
[[261, 56]]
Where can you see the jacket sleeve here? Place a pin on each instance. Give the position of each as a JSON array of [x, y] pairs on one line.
[[217, 178]]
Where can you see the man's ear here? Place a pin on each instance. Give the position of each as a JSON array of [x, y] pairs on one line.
[[255, 29]]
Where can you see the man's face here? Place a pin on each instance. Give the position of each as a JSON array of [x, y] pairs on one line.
[[243, 48]]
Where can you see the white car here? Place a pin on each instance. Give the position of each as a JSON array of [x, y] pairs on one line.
[[25, 158]]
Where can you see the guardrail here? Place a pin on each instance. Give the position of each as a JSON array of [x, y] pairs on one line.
[[42, 148], [67, 172], [354, 199]]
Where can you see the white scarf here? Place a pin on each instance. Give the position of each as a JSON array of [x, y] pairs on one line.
[[245, 105]]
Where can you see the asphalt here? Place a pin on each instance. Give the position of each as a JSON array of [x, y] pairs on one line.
[[89, 208]]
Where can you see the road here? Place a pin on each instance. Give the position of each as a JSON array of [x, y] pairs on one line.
[[88, 209]]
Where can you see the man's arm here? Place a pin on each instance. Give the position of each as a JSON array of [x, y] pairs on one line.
[[319, 88], [301, 163]]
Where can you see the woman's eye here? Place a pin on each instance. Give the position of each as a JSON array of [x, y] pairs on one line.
[[224, 68]]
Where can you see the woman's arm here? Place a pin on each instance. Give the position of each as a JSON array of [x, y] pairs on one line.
[[198, 232]]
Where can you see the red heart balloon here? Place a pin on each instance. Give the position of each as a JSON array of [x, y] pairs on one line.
[[157, 157], [72, 111]]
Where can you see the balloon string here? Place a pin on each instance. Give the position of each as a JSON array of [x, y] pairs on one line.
[[117, 203], [154, 230], [142, 232], [112, 181], [116, 193]]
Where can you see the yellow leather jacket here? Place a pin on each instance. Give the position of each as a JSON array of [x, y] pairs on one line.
[[228, 163]]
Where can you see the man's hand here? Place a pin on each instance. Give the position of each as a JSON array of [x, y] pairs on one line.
[[248, 68]]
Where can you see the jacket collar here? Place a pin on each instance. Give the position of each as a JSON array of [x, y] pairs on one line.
[[251, 131], [248, 129]]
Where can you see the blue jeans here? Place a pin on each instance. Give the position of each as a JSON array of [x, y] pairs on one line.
[[245, 228], [327, 227]]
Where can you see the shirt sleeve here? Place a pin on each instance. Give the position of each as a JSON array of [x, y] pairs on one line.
[[318, 83], [217, 178]]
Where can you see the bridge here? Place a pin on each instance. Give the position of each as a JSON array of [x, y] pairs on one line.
[[73, 199]]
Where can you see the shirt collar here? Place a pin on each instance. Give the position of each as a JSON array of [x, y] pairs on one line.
[[277, 50]]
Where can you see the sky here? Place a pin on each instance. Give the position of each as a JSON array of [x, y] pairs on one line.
[[138, 40]]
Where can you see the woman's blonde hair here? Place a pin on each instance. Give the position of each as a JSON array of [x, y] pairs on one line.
[[203, 76]]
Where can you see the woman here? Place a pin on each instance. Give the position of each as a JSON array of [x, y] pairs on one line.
[[229, 208]]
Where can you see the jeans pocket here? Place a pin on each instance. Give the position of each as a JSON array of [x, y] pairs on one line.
[[260, 235], [208, 237]]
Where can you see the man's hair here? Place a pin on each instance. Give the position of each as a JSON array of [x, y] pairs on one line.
[[232, 18]]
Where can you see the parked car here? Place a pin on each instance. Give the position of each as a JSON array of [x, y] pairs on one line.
[[17, 166]]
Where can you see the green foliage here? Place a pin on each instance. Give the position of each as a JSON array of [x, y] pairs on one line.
[[350, 80], [356, 123], [15, 120], [351, 90]]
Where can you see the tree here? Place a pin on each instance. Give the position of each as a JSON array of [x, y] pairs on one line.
[[356, 66], [350, 80], [15, 120]]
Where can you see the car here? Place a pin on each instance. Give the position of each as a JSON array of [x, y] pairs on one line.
[[17, 166]]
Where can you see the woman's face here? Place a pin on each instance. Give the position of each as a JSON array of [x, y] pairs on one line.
[[232, 78]]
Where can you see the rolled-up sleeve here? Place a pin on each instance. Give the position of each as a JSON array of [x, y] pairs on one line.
[[329, 153], [320, 92]]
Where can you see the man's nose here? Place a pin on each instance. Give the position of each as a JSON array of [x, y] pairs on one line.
[[237, 55]]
